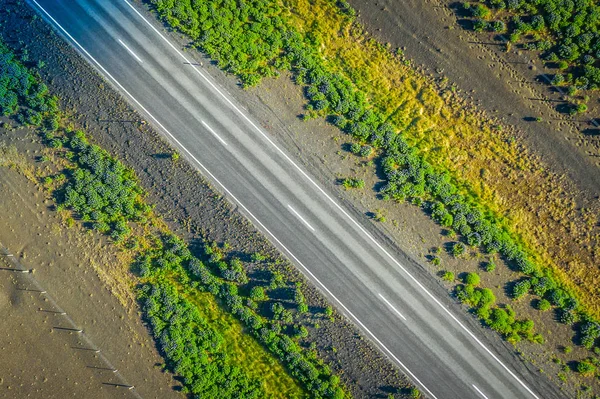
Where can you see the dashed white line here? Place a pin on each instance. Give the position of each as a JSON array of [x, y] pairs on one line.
[[310, 180], [398, 264], [391, 306], [214, 133], [300, 217], [131, 52], [258, 222], [479, 392]]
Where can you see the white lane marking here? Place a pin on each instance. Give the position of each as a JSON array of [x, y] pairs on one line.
[[339, 208], [318, 188], [213, 132], [131, 52], [479, 392], [391, 306], [389, 352], [300, 217]]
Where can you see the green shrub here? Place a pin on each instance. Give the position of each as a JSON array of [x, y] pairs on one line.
[[490, 266], [538, 339], [257, 294], [448, 276], [480, 11], [543, 305], [366, 151], [191, 348], [498, 26], [101, 189], [501, 321], [521, 288], [566, 317], [589, 332], [415, 393], [586, 367], [258, 257], [458, 248], [558, 297], [471, 279], [351, 182]]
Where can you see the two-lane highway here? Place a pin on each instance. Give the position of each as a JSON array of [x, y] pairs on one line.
[[360, 276]]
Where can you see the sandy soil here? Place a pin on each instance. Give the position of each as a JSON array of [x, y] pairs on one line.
[[58, 364], [503, 84], [80, 273]]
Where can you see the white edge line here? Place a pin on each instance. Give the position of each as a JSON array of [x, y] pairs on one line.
[[391, 306], [131, 52], [317, 186], [390, 353], [479, 392], [300, 217], [214, 133], [339, 207]]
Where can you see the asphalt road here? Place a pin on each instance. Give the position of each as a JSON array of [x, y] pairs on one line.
[[362, 277]]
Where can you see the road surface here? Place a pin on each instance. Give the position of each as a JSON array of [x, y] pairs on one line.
[[361, 276]]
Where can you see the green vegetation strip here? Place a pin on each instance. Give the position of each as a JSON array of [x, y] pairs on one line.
[[259, 40], [105, 195], [566, 33]]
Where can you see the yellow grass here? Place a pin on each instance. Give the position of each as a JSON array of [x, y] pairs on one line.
[[485, 162], [245, 351]]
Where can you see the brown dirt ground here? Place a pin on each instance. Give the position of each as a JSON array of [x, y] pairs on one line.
[[83, 277]]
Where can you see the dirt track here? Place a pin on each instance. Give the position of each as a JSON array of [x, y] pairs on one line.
[[428, 33]]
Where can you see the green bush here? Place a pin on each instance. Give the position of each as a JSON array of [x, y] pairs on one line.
[[521, 288], [458, 248], [471, 279], [586, 367], [566, 316], [415, 393], [565, 32], [366, 151], [257, 293], [589, 332], [351, 182], [191, 348], [490, 266], [543, 305], [101, 189], [448, 276], [22, 93], [501, 321]]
